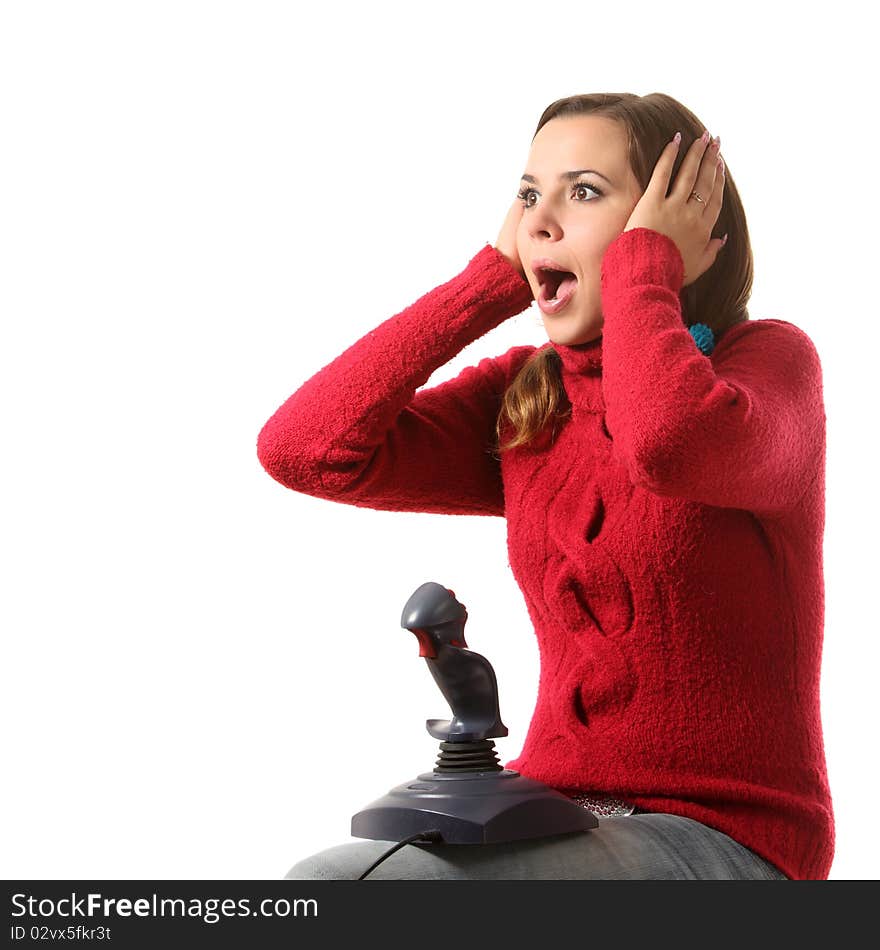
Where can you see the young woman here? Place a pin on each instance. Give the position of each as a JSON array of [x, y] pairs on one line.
[[661, 466]]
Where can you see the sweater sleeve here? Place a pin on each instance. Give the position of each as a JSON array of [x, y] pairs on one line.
[[744, 428], [357, 432]]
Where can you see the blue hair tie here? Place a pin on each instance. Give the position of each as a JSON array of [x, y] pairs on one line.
[[703, 337]]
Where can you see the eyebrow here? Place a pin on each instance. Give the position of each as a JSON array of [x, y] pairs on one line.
[[570, 176]]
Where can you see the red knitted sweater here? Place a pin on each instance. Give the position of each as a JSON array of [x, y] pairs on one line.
[[667, 537]]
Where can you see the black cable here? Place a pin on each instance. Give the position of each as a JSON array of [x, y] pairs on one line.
[[426, 836]]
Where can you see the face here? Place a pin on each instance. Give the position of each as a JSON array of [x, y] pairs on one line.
[[573, 220]]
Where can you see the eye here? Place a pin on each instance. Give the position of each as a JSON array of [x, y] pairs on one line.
[[524, 193]]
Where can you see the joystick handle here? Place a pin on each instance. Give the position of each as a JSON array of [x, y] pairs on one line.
[[465, 678]]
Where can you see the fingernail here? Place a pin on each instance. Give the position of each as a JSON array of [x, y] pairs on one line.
[[724, 239], [705, 137]]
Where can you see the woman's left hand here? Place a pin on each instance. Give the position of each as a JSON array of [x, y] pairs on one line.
[[684, 219]]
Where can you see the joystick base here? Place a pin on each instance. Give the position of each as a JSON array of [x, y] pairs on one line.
[[471, 808]]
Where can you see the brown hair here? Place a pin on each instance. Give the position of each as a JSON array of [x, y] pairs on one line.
[[717, 298]]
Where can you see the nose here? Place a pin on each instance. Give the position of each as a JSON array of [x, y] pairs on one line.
[[544, 223]]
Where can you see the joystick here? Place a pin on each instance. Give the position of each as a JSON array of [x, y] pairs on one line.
[[469, 798]]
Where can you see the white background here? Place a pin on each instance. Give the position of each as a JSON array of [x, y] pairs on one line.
[[205, 203]]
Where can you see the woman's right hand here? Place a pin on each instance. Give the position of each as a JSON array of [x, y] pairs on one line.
[[506, 243]]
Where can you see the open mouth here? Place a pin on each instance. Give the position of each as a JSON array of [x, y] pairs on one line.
[[555, 283]]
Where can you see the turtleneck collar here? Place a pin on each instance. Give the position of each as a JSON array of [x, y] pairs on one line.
[[582, 374], [581, 357]]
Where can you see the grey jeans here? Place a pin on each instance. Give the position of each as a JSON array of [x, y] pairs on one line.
[[637, 847]]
